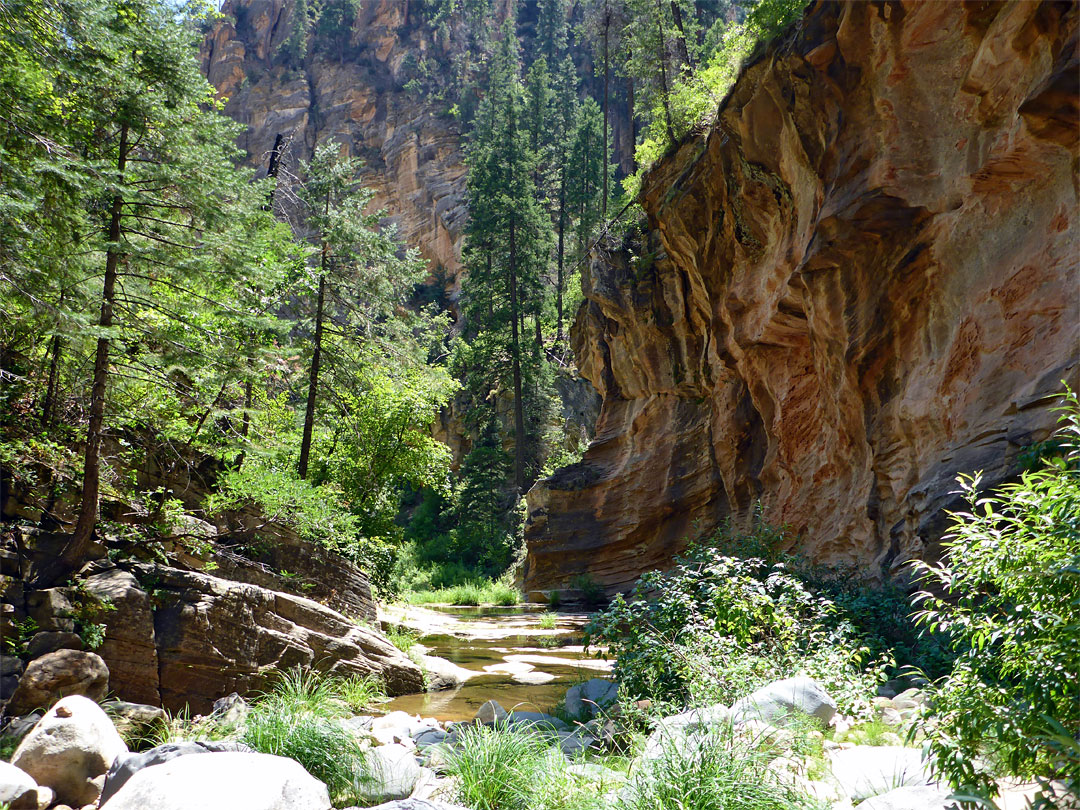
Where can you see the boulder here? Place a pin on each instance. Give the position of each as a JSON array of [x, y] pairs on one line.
[[214, 636], [586, 700], [11, 668], [442, 674], [129, 649], [915, 797], [677, 727], [60, 673], [782, 699], [18, 790], [392, 773], [70, 750], [127, 765], [222, 781], [51, 610], [230, 710], [491, 713], [51, 641], [17, 728], [429, 737], [537, 720], [866, 770], [133, 719]]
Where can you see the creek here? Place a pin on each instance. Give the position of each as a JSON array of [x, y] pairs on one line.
[[512, 658]]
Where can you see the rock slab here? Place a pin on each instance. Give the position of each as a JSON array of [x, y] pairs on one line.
[[781, 700], [222, 781]]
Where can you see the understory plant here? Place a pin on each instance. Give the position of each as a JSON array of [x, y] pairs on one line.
[[1007, 596], [719, 624], [714, 768], [297, 718], [508, 768]]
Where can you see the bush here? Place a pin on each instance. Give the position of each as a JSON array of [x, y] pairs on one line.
[[1007, 595], [717, 626]]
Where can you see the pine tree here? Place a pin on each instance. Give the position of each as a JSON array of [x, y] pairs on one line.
[[508, 238]]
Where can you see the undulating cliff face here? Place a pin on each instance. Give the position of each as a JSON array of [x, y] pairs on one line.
[[860, 282], [352, 92]]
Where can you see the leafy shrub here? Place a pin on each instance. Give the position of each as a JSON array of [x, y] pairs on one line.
[[696, 98], [717, 626], [1007, 595]]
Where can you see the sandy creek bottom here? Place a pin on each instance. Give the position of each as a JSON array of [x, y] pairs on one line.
[[517, 662]]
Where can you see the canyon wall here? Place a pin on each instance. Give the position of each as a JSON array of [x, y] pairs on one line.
[[352, 91], [860, 281]]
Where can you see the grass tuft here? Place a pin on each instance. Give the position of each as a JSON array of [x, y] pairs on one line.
[[472, 593]]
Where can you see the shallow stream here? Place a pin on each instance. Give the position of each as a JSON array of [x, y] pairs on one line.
[[517, 662]]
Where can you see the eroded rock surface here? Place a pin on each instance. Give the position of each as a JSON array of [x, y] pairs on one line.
[[215, 637], [352, 91], [859, 283]]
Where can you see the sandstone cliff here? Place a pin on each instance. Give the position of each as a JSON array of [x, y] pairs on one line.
[[353, 93], [861, 281]]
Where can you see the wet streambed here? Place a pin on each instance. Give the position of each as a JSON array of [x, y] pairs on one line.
[[516, 661]]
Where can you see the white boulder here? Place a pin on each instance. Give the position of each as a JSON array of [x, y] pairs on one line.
[[391, 774], [868, 770], [782, 699], [222, 781], [70, 749]]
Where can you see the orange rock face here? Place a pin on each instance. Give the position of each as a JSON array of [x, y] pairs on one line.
[[860, 282], [353, 93]]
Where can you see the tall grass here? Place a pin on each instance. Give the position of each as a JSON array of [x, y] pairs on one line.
[[708, 770], [474, 592], [505, 768], [298, 718]]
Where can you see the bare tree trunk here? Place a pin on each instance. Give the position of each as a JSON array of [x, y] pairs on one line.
[[684, 54], [607, 26], [49, 405], [633, 124], [559, 281], [75, 551], [661, 53], [313, 382]]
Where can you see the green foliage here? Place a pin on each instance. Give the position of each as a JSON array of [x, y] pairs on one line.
[[470, 593], [548, 621], [719, 769], [17, 634], [404, 638], [312, 511], [695, 96], [507, 768], [717, 626], [327, 750], [1007, 596], [297, 718]]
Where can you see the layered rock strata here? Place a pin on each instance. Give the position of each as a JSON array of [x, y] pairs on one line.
[[354, 93], [861, 281]]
